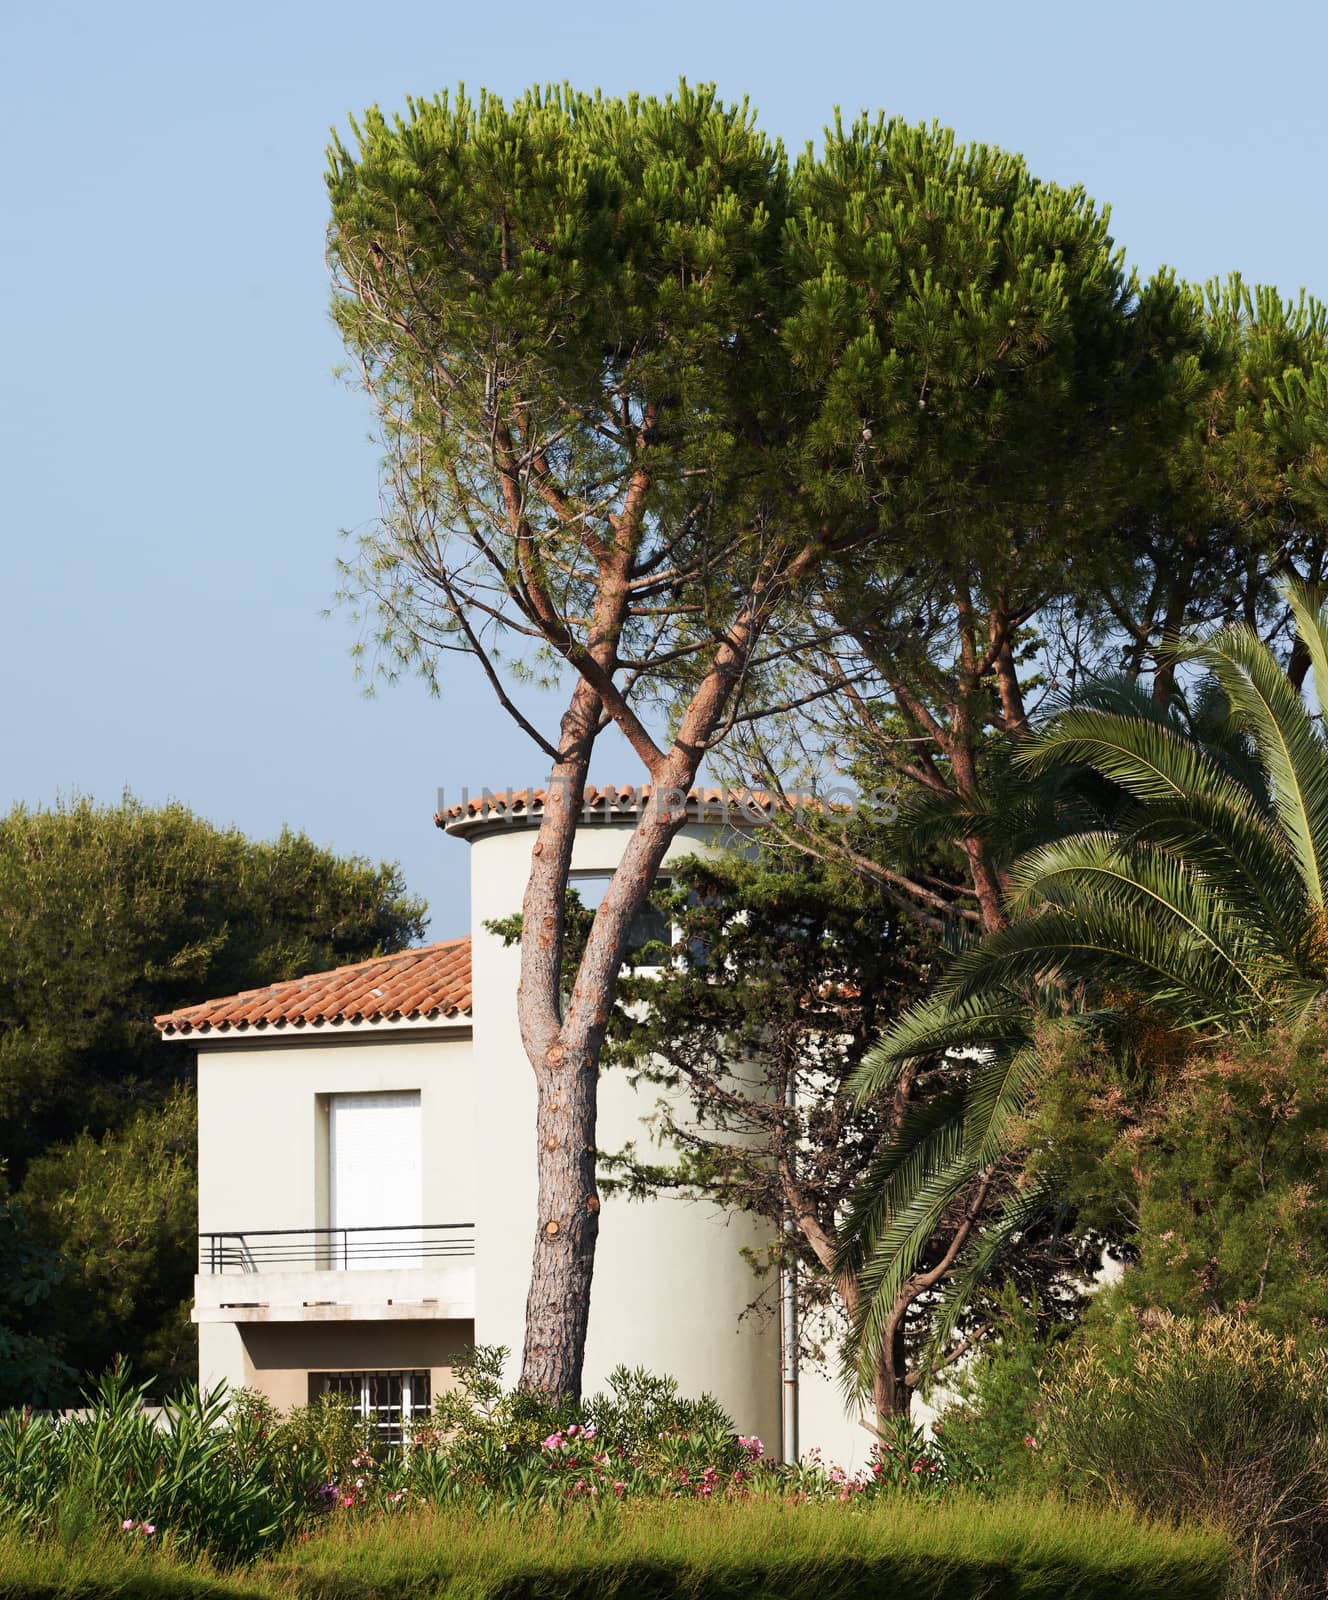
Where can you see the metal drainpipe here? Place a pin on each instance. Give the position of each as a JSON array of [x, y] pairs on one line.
[[788, 1418]]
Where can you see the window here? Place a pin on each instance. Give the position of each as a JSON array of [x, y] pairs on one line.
[[375, 1193], [649, 926], [388, 1401]]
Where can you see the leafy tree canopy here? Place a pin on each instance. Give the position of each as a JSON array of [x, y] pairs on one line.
[[110, 915], [121, 1212], [31, 1373]]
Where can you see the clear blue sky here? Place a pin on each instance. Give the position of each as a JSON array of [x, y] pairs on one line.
[[176, 458]]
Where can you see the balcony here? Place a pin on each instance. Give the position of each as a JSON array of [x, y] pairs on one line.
[[413, 1272]]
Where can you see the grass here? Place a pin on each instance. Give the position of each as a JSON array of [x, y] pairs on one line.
[[903, 1550]]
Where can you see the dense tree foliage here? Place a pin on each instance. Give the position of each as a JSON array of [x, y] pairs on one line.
[[1205, 488], [121, 1213], [30, 1371], [110, 915], [1242, 504], [1205, 1166], [1192, 913]]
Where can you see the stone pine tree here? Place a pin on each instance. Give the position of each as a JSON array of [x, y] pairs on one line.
[[1243, 500], [637, 383], [1047, 473]]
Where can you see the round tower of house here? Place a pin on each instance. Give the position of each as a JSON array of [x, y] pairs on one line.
[[672, 1286]]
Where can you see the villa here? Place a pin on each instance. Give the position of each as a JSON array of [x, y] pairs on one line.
[[366, 1172]]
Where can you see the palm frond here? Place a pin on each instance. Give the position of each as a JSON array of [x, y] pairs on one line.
[[1288, 741], [1150, 760], [934, 1026], [930, 1139], [1232, 845], [1096, 943], [895, 1255], [1307, 607]]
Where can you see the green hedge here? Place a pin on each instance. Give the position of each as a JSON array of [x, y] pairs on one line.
[[763, 1550]]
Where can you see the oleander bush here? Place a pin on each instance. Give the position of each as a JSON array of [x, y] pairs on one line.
[[229, 1477], [114, 1467], [644, 1491]]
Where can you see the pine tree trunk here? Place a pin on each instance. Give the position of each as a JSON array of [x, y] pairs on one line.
[[567, 1073], [558, 1304], [564, 1050], [558, 1301]]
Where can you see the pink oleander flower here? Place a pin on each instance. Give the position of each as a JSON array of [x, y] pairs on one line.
[[128, 1525], [553, 1442], [620, 1489], [147, 1527], [1030, 1442]]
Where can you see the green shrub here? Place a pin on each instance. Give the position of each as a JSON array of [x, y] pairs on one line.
[[1214, 1420], [484, 1445], [990, 1434], [112, 1466]]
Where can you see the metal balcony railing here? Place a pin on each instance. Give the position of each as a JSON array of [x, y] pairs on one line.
[[334, 1249]]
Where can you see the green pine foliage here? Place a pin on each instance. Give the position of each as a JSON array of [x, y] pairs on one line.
[[1243, 496]]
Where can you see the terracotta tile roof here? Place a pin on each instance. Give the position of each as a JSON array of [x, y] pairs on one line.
[[738, 806], [413, 985]]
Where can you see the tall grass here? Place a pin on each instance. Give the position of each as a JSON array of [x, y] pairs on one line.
[[903, 1549]]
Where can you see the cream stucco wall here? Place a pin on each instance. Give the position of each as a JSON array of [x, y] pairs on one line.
[[671, 1285], [278, 1357], [262, 1122], [263, 1164]]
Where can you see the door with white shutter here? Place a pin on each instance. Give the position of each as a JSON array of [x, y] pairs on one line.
[[374, 1143]]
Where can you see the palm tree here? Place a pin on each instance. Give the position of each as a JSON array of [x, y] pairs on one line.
[[1201, 892]]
